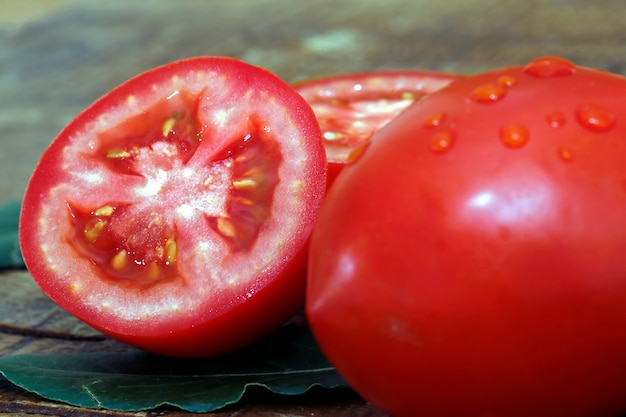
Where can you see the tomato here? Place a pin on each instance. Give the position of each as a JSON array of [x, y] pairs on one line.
[[471, 261], [173, 212], [351, 107]]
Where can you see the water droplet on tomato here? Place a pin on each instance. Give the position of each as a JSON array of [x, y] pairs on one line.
[[441, 141], [565, 154], [507, 80], [550, 66], [488, 93], [514, 135], [556, 119], [595, 118], [435, 120]]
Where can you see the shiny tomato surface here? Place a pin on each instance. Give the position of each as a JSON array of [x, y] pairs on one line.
[[173, 212], [470, 262]]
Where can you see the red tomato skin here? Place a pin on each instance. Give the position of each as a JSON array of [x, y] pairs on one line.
[[483, 277], [233, 319], [243, 324]]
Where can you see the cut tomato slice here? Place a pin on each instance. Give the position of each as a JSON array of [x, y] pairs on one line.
[[351, 107], [173, 213]]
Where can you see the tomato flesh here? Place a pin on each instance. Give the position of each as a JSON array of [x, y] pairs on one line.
[[350, 108], [140, 244], [470, 262], [180, 197]]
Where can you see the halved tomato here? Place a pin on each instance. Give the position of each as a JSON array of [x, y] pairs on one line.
[[173, 213], [351, 107]]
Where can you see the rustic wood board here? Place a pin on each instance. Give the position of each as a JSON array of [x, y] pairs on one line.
[[53, 66]]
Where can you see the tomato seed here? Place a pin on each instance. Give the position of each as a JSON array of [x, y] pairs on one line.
[[153, 271], [168, 125], [103, 211], [119, 260], [244, 201], [245, 184], [170, 251], [117, 154], [92, 230], [225, 226]]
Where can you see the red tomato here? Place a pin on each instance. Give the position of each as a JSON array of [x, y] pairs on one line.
[[471, 261], [172, 213], [351, 107]]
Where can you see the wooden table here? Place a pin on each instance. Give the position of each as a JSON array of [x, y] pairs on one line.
[[54, 65]]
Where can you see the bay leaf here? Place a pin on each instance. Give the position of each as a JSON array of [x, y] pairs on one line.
[[10, 254], [287, 363]]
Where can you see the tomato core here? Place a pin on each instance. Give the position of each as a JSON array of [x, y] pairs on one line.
[[135, 243]]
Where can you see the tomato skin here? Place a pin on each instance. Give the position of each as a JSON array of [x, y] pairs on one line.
[[473, 266], [352, 107], [243, 324], [173, 213]]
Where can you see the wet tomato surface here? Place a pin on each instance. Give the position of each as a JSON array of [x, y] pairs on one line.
[[173, 212], [474, 251]]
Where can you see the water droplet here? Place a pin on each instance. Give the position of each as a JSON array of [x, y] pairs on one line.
[[435, 120], [565, 154], [595, 117], [550, 66], [556, 119], [514, 135], [488, 93], [441, 141], [507, 80]]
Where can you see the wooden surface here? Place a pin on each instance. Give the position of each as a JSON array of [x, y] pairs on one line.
[[59, 61]]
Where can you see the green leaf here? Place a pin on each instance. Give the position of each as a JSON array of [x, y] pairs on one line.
[[288, 363], [10, 255]]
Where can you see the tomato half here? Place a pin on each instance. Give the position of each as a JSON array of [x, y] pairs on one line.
[[471, 261], [351, 107], [172, 213]]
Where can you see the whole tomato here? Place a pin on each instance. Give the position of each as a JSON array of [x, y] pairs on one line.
[[471, 262]]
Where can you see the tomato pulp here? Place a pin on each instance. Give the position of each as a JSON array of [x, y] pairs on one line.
[[173, 212], [470, 261], [351, 107]]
